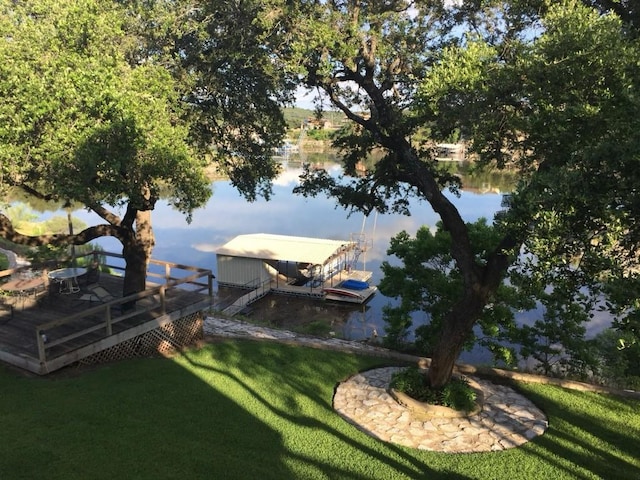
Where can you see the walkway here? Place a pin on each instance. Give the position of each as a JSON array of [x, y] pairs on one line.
[[506, 420]]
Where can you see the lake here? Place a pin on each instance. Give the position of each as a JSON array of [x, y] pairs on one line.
[[227, 214]]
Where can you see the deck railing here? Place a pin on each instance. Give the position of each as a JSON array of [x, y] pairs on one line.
[[200, 281], [260, 289]]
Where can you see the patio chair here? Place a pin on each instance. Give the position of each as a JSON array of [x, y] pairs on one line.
[[47, 294]]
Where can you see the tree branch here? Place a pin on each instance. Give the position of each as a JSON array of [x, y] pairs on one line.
[[8, 232], [105, 214], [129, 217], [35, 193]]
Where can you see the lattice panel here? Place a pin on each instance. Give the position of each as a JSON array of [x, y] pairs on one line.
[[164, 340]]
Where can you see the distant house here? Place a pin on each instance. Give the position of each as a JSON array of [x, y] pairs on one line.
[[450, 152], [322, 124]]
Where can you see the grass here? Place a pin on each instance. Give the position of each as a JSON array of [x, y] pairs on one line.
[[243, 409]]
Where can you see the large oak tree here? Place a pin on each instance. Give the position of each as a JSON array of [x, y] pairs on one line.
[[547, 88], [116, 104]]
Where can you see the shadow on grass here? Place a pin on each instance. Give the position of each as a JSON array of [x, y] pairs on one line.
[[246, 409], [300, 397], [589, 434], [142, 419], [586, 437]]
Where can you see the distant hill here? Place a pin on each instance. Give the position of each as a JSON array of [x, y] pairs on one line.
[[297, 116]]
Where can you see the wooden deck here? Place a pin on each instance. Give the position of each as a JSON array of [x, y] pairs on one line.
[[42, 331]]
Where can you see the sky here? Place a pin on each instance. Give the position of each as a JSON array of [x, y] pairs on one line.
[[304, 99]]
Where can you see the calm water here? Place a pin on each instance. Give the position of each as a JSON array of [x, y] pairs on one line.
[[227, 215]]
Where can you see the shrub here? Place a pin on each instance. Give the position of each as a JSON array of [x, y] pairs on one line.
[[459, 395], [412, 382], [456, 394], [319, 328]]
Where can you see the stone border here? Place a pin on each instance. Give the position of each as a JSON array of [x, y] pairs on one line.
[[511, 375], [507, 419]]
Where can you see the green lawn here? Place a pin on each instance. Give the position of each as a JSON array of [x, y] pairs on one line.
[[4, 262], [254, 410]]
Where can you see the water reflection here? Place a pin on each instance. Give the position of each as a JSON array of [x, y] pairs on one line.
[[228, 214]]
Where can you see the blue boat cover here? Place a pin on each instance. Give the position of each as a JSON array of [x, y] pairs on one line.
[[354, 284]]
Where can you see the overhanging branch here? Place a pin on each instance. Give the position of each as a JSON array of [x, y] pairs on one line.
[[58, 239], [105, 214], [35, 193]]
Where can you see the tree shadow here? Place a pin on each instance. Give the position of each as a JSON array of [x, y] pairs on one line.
[[207, 414], [145, 418], [289, 385], [289, 372], [580, 438]]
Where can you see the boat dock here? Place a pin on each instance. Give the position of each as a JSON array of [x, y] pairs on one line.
[[281, 287], [288, 265]]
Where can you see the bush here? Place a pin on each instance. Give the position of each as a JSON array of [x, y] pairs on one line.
[[4, 262], [412, 382], [456, 394], [319, 134], [319, 328], [619, 367], [459, 395]]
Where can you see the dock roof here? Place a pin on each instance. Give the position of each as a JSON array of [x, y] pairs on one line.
[[282, 247]]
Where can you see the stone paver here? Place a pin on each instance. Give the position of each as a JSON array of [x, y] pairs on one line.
[[507, 419]]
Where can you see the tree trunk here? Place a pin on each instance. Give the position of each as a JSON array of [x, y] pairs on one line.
[[456, 328], [137, 253], [480, 281], [459, 322]]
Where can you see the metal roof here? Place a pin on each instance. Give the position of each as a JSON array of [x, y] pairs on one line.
[[282, 247]]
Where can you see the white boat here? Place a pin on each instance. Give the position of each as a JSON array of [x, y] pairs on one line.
[[341, 294]]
